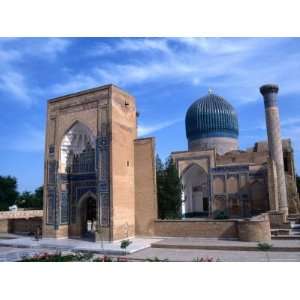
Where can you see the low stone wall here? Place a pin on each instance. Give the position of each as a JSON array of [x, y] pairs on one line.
[[277, 219], [25, 225], [196, 228], [4, 226], [20, 214], [21, 221], [255, 229]]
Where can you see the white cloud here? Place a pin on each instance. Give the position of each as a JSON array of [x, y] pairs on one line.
[[218, 46], [7, 56], [14, 83], [47, 48], [236, 66], [131, 45], [13, 51], [148, 129], [75, 83]]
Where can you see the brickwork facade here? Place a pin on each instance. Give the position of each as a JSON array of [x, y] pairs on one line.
[[100, 180], [21, 221], [89, 165], [196, 228], [145, 187], [240, 183]]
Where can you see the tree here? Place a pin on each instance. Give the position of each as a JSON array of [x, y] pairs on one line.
[[8, 191], [39, 193], [168, 189], [31, 200]]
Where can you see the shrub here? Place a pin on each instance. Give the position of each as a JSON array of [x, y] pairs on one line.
[[58, 257], [72, 257], [125, 244], [205, 259], [221, 216], [264, 246], [156, 259]]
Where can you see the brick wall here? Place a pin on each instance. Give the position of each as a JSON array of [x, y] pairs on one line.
[[254, 230], [196, 228], [123, 134], [25, 225], [20, 221], [4, 226], [20, 214], [145, 186]]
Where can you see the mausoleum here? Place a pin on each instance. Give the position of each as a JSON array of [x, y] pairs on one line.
[[100, 178]]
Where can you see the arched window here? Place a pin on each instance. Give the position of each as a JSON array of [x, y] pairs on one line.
[[77, 151]]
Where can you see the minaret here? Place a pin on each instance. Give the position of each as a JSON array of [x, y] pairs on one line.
[[269, 92]]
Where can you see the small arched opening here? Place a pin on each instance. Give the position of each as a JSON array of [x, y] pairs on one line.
[[195, 197], [87, 215]]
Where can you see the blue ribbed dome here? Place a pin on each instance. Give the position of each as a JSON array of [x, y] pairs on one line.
[[211, 116]]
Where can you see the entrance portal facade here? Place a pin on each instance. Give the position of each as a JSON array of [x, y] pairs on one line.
[[89, 165]]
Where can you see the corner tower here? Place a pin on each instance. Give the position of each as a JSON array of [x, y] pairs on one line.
[[211, 122]]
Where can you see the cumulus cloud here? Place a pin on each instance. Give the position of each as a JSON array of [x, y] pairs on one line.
[[47, 48], [75, 83], [131, 45], [14, 83], [148, 129], [13, 51], [236, 66]]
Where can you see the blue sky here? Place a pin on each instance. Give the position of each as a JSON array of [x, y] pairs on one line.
[[165, 76]]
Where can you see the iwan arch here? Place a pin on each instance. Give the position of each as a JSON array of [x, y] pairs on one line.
[[100, 179]]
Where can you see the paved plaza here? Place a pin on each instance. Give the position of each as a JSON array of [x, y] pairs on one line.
[[176, 255], [189, 255], [224, 244], [14, 248], [75, 245]]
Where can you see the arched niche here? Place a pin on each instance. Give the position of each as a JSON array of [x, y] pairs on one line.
[[259, 197], [232, 184], [195, 184], [219, 184], [77, 139]]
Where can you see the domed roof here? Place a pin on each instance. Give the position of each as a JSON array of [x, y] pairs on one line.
[[211, 116]]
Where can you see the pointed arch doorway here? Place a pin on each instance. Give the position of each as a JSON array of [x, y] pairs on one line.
[[195, 182], [87, 216]]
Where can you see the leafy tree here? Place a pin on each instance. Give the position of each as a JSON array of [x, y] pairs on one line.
[[39, 192], [168, 189], [160, 185], [31, 200], [8, 191]]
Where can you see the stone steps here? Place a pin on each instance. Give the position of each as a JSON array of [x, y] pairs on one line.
[[286, 237], [290, 230]]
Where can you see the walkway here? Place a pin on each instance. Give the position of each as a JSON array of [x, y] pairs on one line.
[[112, 248]]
